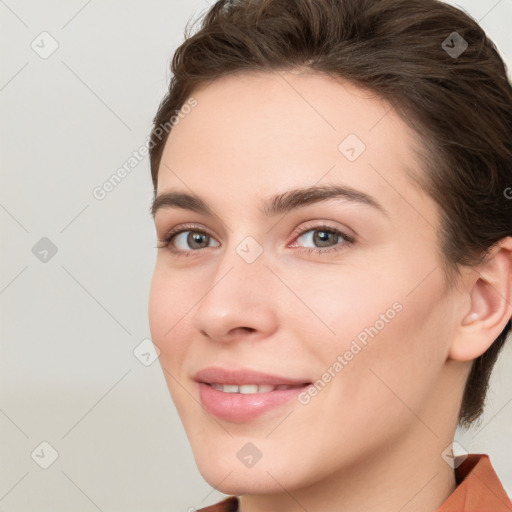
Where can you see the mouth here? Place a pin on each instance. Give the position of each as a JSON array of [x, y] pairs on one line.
[[251, 389], [242, 395]]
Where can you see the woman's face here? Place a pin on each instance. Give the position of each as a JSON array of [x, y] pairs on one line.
[[344, 293]]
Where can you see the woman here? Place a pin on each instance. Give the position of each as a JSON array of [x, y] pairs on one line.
[[333, 280]]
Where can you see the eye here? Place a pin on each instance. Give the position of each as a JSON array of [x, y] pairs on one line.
[[324, 238], [184, 241]]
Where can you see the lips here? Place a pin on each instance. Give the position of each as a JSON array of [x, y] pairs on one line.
[[243, 395], [242, 377]]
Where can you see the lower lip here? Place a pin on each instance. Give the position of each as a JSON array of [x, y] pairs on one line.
[[243, 407]]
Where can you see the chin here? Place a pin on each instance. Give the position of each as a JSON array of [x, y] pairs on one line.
[[242, 481], [224, 471]]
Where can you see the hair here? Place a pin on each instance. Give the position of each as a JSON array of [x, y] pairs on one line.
[[459, 106]]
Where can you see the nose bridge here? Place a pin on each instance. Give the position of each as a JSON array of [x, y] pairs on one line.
[[245, 261], [238, 293]]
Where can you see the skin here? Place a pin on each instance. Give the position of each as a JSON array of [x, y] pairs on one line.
[[372, 438]]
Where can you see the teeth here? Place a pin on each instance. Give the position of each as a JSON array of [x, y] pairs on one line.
[[247, 389], [264, 388], [231, 389]]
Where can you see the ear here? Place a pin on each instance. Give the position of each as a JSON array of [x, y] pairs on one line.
[[490, 304]]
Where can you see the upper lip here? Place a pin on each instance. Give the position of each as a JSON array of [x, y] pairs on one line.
[[216, 375]]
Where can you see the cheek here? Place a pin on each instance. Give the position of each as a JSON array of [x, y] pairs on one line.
[[351, 303], [166, 308], [167, 312], [159, 308], [387, 345]]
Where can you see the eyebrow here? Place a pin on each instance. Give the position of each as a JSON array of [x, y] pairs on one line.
[[275, 205]]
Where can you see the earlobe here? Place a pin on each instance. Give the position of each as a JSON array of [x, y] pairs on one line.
[[490, 304]]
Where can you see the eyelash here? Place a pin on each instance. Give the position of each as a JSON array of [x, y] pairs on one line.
[[348, 240]]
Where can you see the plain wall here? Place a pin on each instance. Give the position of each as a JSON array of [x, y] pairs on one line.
[[70, 324]]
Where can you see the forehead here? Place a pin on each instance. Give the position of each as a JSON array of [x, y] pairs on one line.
[[298, 110], [258, 133]]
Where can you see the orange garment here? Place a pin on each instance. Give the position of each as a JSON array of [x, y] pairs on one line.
[[478, 490]]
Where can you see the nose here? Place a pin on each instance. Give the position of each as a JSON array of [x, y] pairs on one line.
[[238, 302]]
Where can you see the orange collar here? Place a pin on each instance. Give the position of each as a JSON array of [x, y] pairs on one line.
[[479, 488]]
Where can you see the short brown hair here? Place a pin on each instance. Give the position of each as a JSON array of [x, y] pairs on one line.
[[460, 105]]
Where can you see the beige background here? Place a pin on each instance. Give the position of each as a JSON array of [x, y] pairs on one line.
[[69, 326]]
